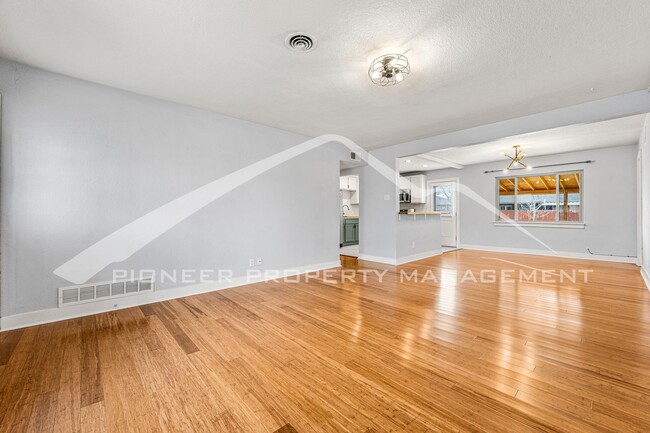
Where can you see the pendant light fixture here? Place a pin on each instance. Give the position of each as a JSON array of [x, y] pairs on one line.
[[516, 160]]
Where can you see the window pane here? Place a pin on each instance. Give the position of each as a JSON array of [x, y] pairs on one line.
[[443, 198], [536, 198], [506, 198], [570, 197]]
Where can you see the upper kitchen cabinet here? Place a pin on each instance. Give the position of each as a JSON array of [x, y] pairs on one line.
[[349, 183], [418, 189], [417, 185]]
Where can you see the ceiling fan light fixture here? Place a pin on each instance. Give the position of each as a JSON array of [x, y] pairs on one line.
[[389, 69]]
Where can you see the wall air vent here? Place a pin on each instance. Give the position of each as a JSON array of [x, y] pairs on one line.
[[96, 292], [300, 42]]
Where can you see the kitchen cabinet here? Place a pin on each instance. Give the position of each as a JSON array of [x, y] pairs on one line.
[[353, 183], [350, 231], [349, 183], [418, 188], [417, 185]]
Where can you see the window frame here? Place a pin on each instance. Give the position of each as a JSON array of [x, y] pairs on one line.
[[557, 222]]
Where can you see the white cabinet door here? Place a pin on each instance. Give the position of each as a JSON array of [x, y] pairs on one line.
[[353, 183], [404, 182], [418, 188], [343, 183]]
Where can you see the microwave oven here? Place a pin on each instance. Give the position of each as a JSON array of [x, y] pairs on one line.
[[405, 196]]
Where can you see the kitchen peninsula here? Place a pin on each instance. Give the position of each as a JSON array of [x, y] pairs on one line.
[[418, 236]]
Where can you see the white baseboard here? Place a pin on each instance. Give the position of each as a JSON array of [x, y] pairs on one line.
[[563, 254], [40, 317], [646, 277], [419, 256], [377, 259], [400, 260]]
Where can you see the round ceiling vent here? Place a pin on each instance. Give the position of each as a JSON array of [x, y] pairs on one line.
[[300, 42]]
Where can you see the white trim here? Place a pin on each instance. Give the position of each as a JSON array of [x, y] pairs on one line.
[[73, 311], [377, 259], [639, 203], [401, 260], [646, 277], [555, 225], [563, 254], [419, 256]]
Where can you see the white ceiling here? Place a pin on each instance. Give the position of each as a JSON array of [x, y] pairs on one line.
[[473, 62], [610, 133]]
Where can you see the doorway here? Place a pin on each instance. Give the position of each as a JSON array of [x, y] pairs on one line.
[[443, 197], [349, 202]]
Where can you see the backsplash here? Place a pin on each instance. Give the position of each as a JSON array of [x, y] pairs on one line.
[[419, 207], [346, 197]]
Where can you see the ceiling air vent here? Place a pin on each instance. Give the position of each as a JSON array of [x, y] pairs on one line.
[[300, 42], [97, 292]]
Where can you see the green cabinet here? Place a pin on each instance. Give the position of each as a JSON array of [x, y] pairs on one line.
[[350, 231]]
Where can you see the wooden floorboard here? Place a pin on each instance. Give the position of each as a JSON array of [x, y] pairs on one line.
[[439, 354]]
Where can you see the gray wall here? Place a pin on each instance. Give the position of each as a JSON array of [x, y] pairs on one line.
[[609, 199], [80, 160], [644, 146], [417, 234], [378, 228]]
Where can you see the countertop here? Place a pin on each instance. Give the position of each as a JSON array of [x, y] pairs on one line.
[[351, 217]]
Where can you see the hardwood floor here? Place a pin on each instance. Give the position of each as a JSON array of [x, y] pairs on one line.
[[449, 353]]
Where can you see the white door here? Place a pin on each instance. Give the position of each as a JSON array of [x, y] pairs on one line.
[[444, 199]]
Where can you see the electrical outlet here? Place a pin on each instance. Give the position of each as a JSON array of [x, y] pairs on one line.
[[259, 260], [413, 246], [251, 262]]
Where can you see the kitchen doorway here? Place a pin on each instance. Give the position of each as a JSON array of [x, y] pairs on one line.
[[349, 201], [443, 197]]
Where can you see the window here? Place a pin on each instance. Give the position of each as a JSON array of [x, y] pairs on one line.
[[549, 198], [443, 198]]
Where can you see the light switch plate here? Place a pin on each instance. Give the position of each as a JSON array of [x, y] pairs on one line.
[[386, 197]]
